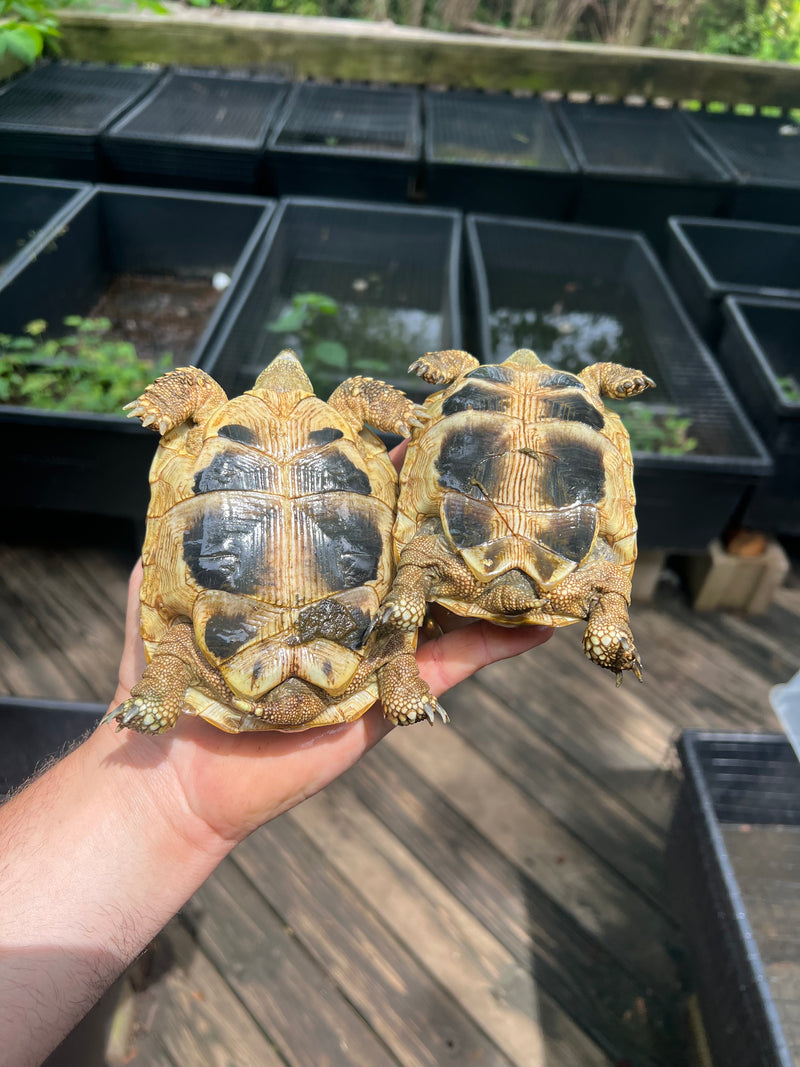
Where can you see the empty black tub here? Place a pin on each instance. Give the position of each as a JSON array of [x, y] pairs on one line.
[[639, 166], [347, 141], [117, 255], [197, 129], [354, 288], [497, 153], [759, 354], [51, 118], [732, 856], [576, 295], [764, 156], [709, 258], [31, 211]]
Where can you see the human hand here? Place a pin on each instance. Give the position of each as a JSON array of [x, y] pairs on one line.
[[235, 782]]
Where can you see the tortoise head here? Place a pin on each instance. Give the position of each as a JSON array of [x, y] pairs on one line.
[[283, 382]]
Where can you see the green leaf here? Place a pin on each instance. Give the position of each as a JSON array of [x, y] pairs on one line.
[[24, 42], [289, 321], [318, 301], [331, 353]]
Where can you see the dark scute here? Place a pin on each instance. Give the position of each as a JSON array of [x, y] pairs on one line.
[[468, 526], [350, 550], [227, 555], [229, 470], [571, 534], [492, 372], [243, 434], [472, 397], [331, 472], [225, 635], [572, 407], [574, 475], [558, 379], [324, 436], [465, 459], [327, 619]]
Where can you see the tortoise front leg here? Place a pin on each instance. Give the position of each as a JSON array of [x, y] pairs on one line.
[[441, 368], [181, 394], [615, 381], [369, 400], [157, 700]]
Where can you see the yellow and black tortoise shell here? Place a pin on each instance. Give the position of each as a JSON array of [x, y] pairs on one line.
[[275, 541], [525, 468]]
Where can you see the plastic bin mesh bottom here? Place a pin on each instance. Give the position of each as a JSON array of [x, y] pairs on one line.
[[649, 141], [341, 118], [69, 98], [507, 131], [750, 784], [756, 146], [207, 108]]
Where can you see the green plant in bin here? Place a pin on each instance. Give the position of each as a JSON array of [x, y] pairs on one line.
[[789, 388], [665, 432], [310, 316], [84, 370]]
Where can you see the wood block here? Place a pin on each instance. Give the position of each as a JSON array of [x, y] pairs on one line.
[[719, 581], [646, 573]]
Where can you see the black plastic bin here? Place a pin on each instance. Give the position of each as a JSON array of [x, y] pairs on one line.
[[639, 166], [393, 273], [495, 152], [710, 258], [576, 295], [764, 156], [31, 210], [197, 129], [760, 354], [732, 858], [51, 118], [96, 463], [344, 140]]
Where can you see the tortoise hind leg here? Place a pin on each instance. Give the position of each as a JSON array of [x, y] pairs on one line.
[[157, 700], [441, 368], [375, 402], [600, 593], [185, 393], [615, 381]]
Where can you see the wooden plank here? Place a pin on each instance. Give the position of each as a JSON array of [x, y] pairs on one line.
[[81, 617], [589, 890], [290, 997], [305, 47], [612, 734], [600, 821], [419, 1022], [197, 1018], [619, 1011], [497, 992]]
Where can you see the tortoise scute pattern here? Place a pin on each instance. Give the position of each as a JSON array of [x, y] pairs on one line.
[[517, 506], [267, 552]]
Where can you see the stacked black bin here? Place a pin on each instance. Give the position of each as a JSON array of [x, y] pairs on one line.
[[52, 117], [200, 130]]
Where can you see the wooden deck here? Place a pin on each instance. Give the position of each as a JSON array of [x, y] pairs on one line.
[[482, 895]]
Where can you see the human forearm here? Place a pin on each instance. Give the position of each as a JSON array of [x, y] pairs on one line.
[[86, 881]]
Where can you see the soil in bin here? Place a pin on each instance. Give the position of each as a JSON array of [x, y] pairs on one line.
[[158, 313], [766, 861]]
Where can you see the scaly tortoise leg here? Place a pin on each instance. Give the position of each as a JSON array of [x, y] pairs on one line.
[[157, 700], [369, 400], [615, 381], [180, 394], [441, 368], [600, 593]]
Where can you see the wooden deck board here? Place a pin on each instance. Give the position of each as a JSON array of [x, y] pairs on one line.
[[491, 893]]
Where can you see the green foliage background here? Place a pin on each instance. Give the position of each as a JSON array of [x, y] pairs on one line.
[[761, 29]]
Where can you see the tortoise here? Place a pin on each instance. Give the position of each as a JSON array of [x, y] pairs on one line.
[[516, 505], [267, 549]]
